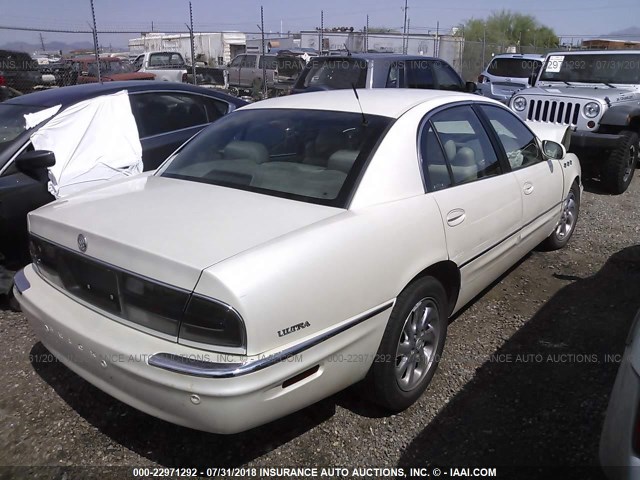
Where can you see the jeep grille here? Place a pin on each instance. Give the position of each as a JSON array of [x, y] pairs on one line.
[[553, 111]]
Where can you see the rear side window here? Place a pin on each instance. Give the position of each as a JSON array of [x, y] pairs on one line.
[[336, 73], [434, 165], [237, 61], [514, 67], [249, 61], [269, 62], [158, 113], [466, 145]]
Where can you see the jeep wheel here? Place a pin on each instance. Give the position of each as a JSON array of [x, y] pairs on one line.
[[618, 170]]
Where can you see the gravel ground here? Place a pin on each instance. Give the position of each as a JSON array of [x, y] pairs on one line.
[[524, 381]]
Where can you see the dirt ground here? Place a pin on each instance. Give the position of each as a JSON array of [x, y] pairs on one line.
[[524, 382]]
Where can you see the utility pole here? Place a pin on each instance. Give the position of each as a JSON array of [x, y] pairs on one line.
[[95, 40], [484, 43], [437, 49], [366, 36], [193, 46], [404, 29], [42, 42], [321, 30], [408, 30], [264, 63]]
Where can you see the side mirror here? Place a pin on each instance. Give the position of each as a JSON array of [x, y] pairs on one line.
[[35, 161], [532, 79], [471, 87], [553, 150]]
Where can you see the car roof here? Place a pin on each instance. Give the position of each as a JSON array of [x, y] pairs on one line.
[[388, 102], [595, 52], [69, 95], [528, 56], [377, 56]]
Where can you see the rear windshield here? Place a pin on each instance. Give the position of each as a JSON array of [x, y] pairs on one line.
[[16, 61], [12, 122], [336, 73], [308, 155], [165, 59], [514, 67]]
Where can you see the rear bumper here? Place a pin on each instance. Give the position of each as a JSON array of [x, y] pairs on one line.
[[115, 358]]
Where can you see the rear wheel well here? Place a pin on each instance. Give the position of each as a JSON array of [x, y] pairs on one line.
[[448, 274]]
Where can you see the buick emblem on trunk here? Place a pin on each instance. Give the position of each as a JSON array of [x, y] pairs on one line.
[[82, 243]]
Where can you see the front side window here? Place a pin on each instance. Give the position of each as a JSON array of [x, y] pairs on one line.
[[269, 62], [158, 113], [12, 122], [446, 76], [519, 143], [466, 145], [237, 61], [419, 74], [307, 155]]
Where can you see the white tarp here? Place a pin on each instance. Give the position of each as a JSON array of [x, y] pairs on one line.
[[94, 141], [33, 119]]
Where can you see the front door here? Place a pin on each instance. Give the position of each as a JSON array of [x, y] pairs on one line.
[[541, 180]]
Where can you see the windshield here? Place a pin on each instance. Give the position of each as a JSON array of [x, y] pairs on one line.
[[514, 67], [308, 155], [12, 122], [336, 73], [593, 68]]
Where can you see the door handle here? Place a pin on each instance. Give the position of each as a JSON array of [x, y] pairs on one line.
[[456, 217], [528, 188]]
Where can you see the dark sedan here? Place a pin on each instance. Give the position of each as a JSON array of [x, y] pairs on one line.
[[166, 115]]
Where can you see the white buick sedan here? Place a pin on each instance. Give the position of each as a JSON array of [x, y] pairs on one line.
[[293, 248]]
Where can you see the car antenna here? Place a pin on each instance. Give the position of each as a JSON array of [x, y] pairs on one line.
[[355, 92]]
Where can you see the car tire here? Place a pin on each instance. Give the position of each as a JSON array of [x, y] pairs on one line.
[[412, 345], [619, 168], [567, 224]]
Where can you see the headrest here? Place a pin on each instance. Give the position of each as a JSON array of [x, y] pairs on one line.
[[342, 160], [450, 149], [465, 157], [253, 151]]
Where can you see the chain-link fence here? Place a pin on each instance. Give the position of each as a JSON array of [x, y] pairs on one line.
[[67, 57]]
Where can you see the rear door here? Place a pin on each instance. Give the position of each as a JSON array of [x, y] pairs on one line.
[[478, 198], [541, 180], [168, 119]]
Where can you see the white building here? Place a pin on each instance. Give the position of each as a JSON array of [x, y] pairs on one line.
[[216, 49]]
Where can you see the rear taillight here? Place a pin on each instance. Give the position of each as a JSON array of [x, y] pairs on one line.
[[3, 82], [482, 79], [636, 434], [185, 78]]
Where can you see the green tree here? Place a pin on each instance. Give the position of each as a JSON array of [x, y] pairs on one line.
[[507, 28]]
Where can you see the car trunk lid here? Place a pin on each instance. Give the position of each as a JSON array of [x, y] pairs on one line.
[[168, 229]]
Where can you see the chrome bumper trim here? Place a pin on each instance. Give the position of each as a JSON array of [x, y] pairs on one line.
[[201, 368]]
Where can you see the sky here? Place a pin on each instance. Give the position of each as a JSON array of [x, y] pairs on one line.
[[569, 18]]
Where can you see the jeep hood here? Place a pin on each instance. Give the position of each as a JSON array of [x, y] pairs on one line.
[[168, 229], [596, 92]]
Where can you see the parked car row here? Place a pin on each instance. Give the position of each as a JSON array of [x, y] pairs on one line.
[[596, 93]]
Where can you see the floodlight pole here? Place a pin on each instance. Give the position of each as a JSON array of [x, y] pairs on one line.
[[95, 40]]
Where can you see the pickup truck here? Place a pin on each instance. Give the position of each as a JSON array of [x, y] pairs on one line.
[[166, 66]]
